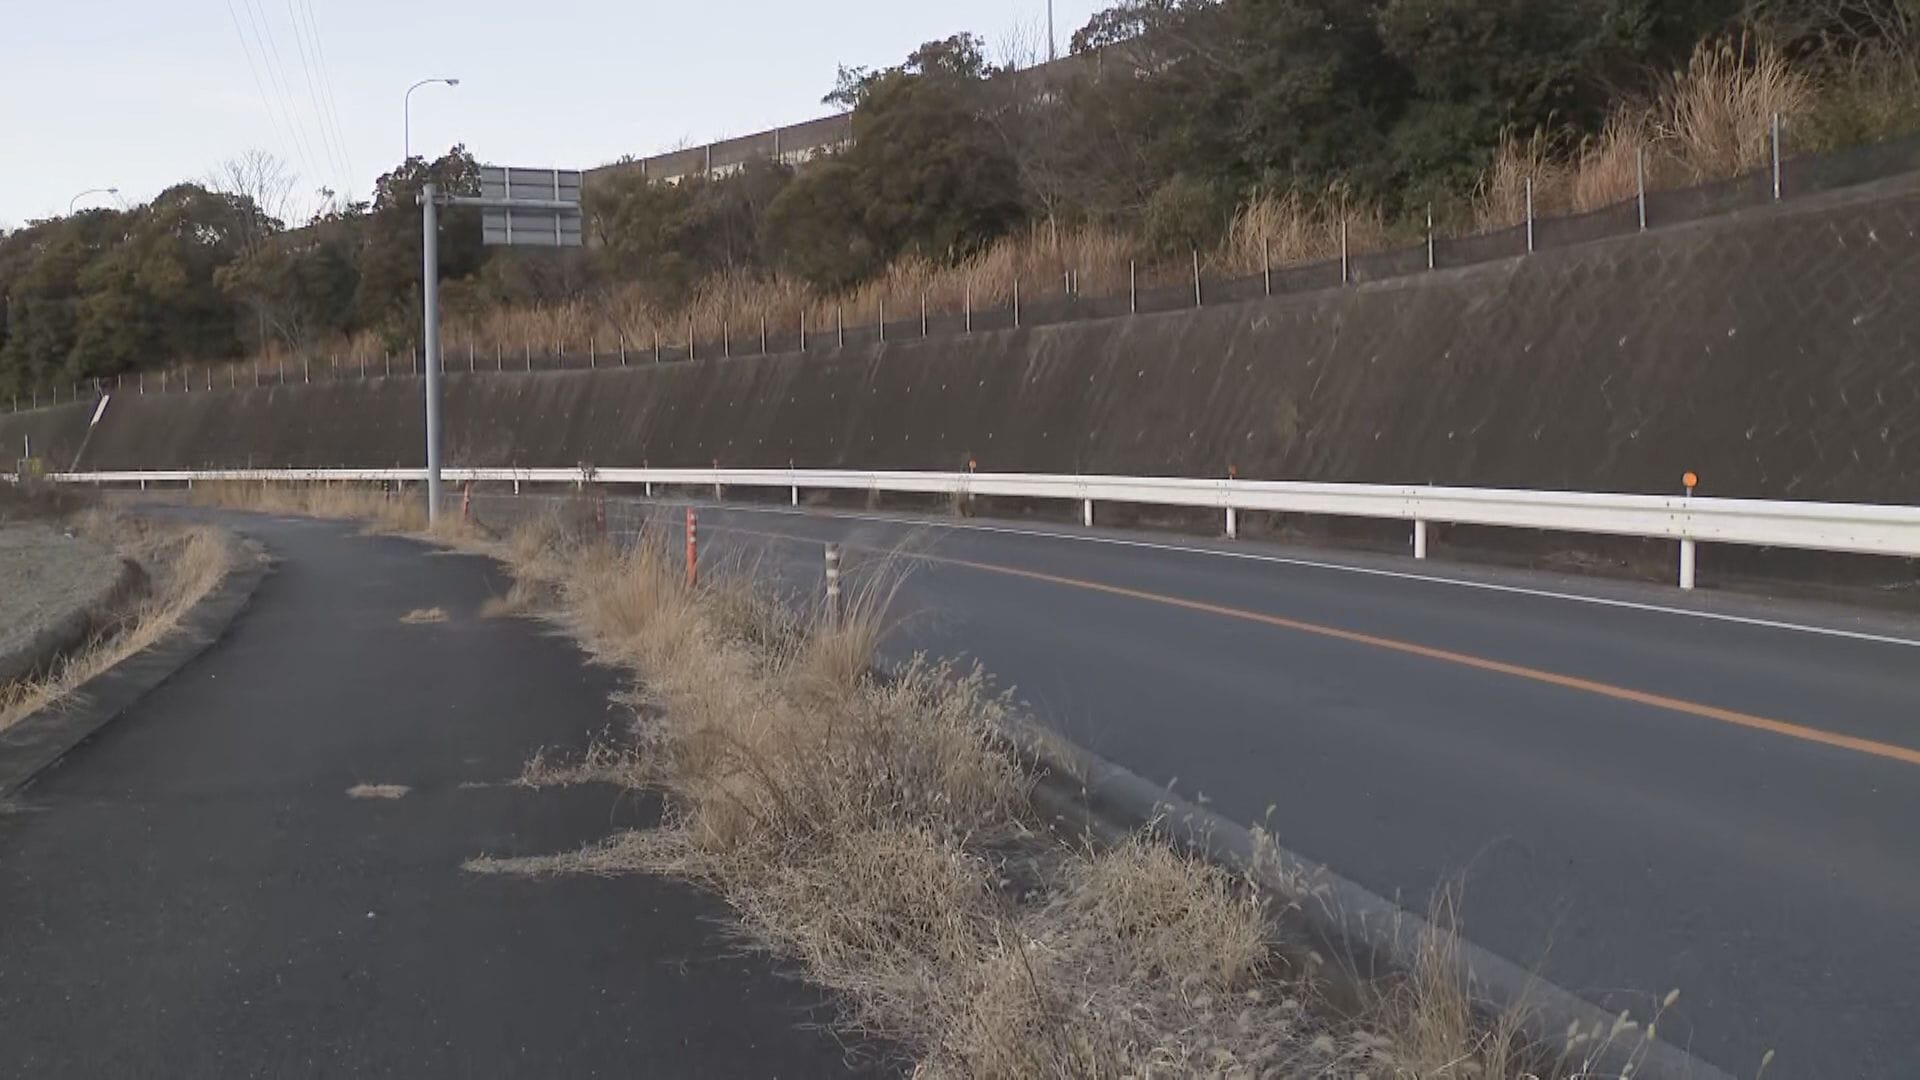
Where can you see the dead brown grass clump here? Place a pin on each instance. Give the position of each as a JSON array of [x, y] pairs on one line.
[[399, 511], [183, 564], [880, 831], [1712, 120]]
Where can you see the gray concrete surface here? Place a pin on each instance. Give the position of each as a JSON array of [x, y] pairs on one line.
[[194, 893], [49, 583], [1622, 847]]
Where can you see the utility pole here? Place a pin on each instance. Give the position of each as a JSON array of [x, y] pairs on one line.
[[430, 289], [1053, 49]]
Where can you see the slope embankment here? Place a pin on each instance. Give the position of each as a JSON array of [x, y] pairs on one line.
[[1773, 351]]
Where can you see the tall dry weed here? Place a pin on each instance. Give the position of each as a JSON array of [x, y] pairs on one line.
[[1715, 117]]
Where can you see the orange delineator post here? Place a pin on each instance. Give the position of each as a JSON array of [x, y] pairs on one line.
[[693, 549]]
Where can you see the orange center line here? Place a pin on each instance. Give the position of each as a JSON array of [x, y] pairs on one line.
[[1888, 751]]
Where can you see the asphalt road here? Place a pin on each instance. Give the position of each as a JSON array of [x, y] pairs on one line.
[[1634, 791], [194, 893]]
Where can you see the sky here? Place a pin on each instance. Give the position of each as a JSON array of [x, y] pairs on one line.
[[141, 94]]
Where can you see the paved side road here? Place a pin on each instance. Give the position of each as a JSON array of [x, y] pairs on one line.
[[194, 893]]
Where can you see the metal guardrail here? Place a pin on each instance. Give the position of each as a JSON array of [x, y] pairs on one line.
[[1689, 521]]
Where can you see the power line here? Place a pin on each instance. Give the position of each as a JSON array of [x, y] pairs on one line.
[[270, 59], [273, 117], [328, 139], [333, 104]]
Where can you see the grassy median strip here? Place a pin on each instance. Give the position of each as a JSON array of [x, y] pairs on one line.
[[879, 830], [183, 563]]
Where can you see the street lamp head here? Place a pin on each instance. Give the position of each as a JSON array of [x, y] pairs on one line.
[[453, 82]]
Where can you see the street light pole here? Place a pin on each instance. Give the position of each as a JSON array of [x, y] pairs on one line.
[[406, 110], [90, 191], [430, 287]]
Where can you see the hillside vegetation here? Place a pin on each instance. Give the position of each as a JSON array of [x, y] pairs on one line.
[[1236, 131]]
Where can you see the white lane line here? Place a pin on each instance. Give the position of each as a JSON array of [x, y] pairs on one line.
[[1367, 571]]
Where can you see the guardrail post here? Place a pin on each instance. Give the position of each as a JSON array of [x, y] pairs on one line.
[[1688, 556], [796, 483], [1086, 512], [718, 494], [833, 583], [1233, 513], [1419, 539]]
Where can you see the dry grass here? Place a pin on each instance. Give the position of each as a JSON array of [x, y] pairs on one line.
[[1716, 117], [1276, 230], [879, 830], [183, 565], [401, 511], [1712, 120]]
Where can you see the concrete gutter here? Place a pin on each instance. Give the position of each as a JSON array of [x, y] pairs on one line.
[[1339, 918], [43, 738]]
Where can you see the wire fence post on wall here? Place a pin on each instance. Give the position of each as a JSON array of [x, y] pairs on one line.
[[840, 324], [692, 348], [1529, 215], [803, 329], [969, 306], [923, 313], [1640, 184], [883, 320], [1776, 156], [1198, 300], [593, 354], [1133, 287], [763, 333], [1266, 264], [623, 348], [529, 344], [1430, 262], [656, 344]]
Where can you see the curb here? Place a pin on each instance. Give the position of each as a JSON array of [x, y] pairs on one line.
[[1337, 916], [43, 738]]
